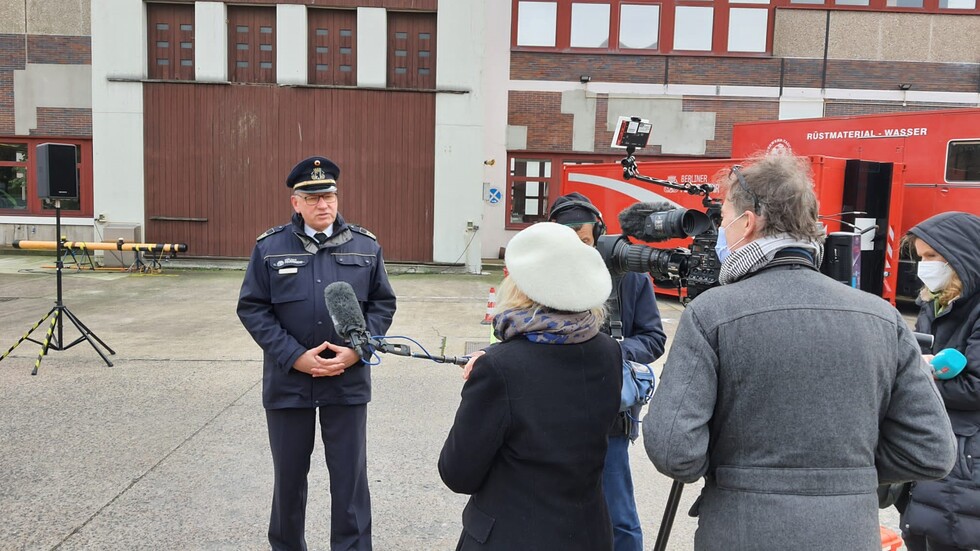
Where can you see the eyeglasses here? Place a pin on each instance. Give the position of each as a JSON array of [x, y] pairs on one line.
[[314, 200], [737, 172]]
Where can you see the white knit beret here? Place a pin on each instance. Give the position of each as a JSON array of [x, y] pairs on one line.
[[553, 267]]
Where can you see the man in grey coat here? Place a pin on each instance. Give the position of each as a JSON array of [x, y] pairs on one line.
[[793, 395]]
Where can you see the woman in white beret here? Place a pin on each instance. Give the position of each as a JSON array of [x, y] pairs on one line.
[[529, 438]]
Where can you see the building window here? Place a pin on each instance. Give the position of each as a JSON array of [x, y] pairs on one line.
[[639, 27], [332, 47], [747, 29], [529, 183], [957, 4], [590, 26], [411, 50], [536, 23], [963, 161], [170, 41], [251, 44], [692, 28], [18, 170], [13, 176]]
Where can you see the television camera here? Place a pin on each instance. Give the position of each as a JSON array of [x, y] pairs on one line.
[[696, 268]]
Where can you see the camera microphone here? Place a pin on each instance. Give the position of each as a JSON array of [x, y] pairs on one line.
[[348, 320], [660, 221]]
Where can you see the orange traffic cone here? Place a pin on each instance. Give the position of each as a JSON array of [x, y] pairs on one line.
[[488, 317]]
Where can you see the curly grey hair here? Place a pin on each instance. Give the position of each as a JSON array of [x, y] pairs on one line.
[[780, 191]]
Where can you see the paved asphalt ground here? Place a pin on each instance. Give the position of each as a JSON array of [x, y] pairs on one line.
[[167, 449]]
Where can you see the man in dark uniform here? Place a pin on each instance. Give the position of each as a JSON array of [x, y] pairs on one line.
[[307, 366]]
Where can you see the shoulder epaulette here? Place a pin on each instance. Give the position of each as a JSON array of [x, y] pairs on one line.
[[362, 231], [269, 232]]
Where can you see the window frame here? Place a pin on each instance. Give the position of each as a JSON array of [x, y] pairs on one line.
[[558, 162], [412, 62], [947, 167], [35, 205], [174, 15], [257, 17], [335, 20]]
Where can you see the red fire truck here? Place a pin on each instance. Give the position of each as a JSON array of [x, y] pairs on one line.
[[842, 185], [940, 152]]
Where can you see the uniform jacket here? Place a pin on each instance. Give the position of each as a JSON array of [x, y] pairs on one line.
[[529, 442], [794, 395], [949, 510], [282, 306]]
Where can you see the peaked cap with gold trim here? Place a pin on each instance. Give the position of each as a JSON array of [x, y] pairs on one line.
[[314, 175]]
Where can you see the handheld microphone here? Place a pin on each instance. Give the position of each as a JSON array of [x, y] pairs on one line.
[[348, 320], [925, 340], [661, 221]]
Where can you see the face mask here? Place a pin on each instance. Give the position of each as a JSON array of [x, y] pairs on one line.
[[934, 274], [721, 247]]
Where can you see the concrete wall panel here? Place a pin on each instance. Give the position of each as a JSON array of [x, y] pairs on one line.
[[799, 33], [12, 17], [877, 36], [64, 17], [372, 47]]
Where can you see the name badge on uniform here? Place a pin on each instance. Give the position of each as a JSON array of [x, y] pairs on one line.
[[292, 270]]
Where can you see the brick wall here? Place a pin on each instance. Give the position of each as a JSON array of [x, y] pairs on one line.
[[6, 102], [12, 58], [16, 50], [729, 111], [550, 130], [745, 71], [68, 50], [540, 112], [644, 69], [887, 75], [57, 121], [844, 108]]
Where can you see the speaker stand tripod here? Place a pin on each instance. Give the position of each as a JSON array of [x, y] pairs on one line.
[[53, 340]]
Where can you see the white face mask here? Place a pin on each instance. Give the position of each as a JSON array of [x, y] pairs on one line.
[[934, 274]]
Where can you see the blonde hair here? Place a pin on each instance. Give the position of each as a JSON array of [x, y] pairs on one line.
[[948, 294], [510, 297]]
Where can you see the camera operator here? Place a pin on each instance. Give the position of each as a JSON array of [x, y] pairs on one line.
[[791, 394], [642, 338]]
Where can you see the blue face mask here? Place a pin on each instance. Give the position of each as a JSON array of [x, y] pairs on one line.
[[721, 246]]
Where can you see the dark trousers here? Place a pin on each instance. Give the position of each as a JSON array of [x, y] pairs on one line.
[[291, 438]]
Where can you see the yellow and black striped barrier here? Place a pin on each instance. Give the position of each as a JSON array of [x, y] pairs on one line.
[[86, 246]]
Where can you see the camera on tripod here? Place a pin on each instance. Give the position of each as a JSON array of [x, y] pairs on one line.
[[695, 268]]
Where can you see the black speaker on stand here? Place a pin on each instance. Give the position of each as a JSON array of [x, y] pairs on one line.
[[57, 179]]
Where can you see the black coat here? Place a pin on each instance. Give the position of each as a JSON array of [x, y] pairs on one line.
[[529, 442], [948, 510]]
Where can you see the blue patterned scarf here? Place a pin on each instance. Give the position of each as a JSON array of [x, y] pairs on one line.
[[545, 325]]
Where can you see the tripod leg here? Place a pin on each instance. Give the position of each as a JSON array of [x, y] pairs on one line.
[[26, 335], [89, 335], [47, 341], [673, 501]]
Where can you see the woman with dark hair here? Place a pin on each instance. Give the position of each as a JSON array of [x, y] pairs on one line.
[[944, 515], [529, 438]]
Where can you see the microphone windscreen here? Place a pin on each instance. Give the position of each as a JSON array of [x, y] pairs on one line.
[[345, 312], [633, 218]]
